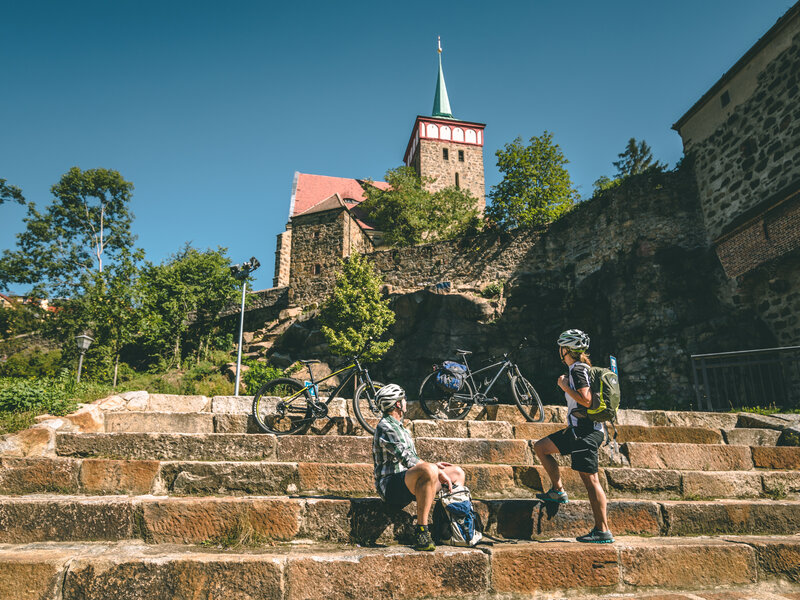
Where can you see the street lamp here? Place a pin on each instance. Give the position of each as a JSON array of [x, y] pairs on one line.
[[241, 273], [84, 341]]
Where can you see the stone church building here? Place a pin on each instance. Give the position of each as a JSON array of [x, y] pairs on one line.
[[325, 223]]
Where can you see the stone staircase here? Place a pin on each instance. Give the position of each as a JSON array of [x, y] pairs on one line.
[[153, 496]]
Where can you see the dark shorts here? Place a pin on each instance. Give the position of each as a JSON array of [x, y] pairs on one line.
[[582, 448], [397, 493]]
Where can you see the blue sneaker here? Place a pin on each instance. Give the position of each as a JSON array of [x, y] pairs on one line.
[[597, 537], [554, 496]]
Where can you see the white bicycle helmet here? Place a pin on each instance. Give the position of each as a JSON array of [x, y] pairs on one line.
[[574, 339], [388, 396]]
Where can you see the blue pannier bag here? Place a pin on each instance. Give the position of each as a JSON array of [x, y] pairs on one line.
[[459, 523], [450, 377]]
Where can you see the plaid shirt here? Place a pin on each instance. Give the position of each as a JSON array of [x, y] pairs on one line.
[[392, 450]]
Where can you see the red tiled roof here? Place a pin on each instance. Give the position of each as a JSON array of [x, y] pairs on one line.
[[309, 190]]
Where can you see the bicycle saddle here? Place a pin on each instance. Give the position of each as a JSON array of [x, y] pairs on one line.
[[464, 352], [309, 362]]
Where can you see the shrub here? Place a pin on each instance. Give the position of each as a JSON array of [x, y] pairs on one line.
[[34, 363], [493, 290], [258, 374], [54, 395]]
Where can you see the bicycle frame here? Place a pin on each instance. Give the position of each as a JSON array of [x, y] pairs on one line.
[[355, 370], [504, 365]]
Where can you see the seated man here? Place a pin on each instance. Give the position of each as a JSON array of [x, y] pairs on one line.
[[400, 475]]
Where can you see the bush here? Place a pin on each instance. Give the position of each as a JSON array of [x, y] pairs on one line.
[[53, 395], [258, 374], [34, 363], [493, 290]]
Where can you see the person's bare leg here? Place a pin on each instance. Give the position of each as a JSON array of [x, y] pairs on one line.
[[543, 449], [423, 481], [456, 474], [597, 498]]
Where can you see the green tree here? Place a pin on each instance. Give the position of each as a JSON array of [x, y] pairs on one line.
[[87, 224], [636, 159], [536, 188], [355, 312], [10, 193], [182, 300], [603, 183], [409, 214]]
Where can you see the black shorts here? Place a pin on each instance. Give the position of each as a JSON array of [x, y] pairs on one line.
[[397, 493], [581, 448]]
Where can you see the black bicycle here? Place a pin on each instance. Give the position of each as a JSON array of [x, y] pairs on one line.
[[440, 403], [284, 406]]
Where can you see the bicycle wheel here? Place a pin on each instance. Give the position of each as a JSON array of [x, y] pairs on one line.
[[528, 401], [282, 406], [364, 405], [443, 405]]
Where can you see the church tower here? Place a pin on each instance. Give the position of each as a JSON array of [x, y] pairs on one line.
[[447, 149]]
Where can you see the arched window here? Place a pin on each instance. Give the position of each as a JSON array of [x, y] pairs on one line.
[[444, 132], [458, 134], [433, 131], [458, 182], [471, 138]]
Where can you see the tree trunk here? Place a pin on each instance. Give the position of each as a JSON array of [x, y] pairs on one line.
[[178, 351], [116, 369]]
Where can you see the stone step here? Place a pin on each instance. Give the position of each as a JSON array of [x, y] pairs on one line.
[[129, 569], [364, 521], [351, 449], [97, 476]]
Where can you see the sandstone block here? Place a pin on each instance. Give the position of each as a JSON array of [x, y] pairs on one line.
[[176, 403], [705, 420], [364, 521], [493, 430], [643, 482], [111, 403], [732, 517], [777, 558], [131, 396], [488, 479], [159, 576], [237, 478], [441, 429], [672, 434], [138, 401], [194, 520], [781, 482], [232, 405], [26, 520], [446, 573], [688, 457], [756, 421], [308, 448], [89, 419], [536, 431], [721, 484], [462, 451], [168, 446], [39, 475], [529, 568], [345, 479], [686, 563], [35, 441], [646, 418], [778, 457], [535, 478], [154, 422], [575, 518], [227, 423], [751, 437], [790, 436], [104, 476], [32, 575]]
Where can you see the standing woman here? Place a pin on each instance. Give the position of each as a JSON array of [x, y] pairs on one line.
[[580, 440]]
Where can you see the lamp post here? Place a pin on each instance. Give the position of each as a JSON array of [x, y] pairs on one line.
[[84, 341], [241, 273]]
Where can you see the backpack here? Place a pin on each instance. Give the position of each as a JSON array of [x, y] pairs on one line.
[[450, 377], [455, 521], [604, 385]]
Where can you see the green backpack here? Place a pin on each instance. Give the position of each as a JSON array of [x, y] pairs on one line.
[[604, 385]]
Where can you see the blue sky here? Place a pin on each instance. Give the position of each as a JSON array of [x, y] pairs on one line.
[[209, 108]]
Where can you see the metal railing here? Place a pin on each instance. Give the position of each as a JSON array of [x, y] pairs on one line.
[[729, 380]]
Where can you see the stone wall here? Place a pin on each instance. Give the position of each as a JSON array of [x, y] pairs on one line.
[[283, 258], [429, 162], [754, 156]]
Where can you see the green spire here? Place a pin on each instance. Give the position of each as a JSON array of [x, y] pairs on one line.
[[441, 103]]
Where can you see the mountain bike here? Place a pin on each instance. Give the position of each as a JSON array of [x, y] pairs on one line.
[[441, 404], [285, 406]]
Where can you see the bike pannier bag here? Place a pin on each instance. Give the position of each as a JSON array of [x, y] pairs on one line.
[[450, 377], [457, 521]]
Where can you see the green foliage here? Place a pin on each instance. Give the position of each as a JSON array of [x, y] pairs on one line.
[[536, 188], [87, 223], [605, 183], [32, 363], [21, 319], [10, 193], [636, 159], [493, 290], [409, 214], [258, 374], [355, 313], [53, 395]]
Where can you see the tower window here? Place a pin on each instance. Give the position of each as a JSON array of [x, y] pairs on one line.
[[316, 235], [460, 156], [458, 183], [317, 269], [445, 154], [725, 98]]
